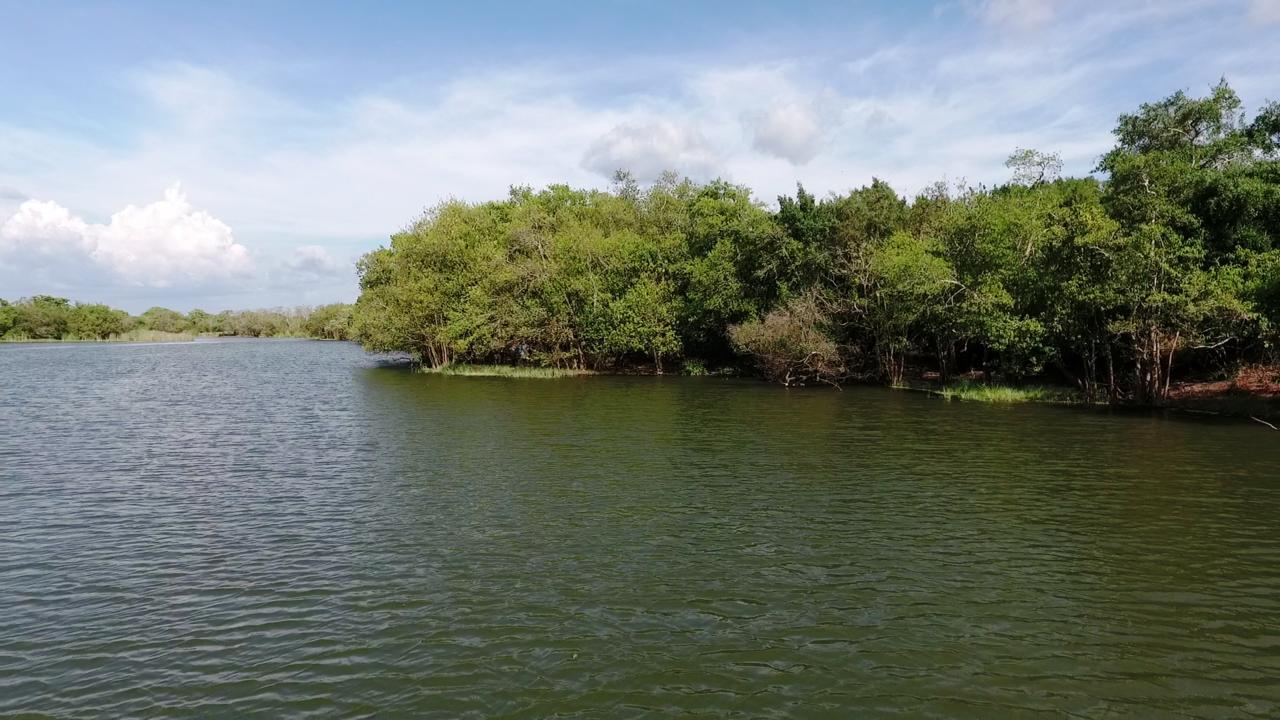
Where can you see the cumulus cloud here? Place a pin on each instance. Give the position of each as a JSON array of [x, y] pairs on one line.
[[791, 131], [1017, 14], [162, 244], [648, 149]]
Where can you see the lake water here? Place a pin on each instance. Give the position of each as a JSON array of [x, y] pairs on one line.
[[294, 529]]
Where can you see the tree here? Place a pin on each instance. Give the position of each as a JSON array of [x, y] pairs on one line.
[[899, 282], [1192, 183], [643, 320], [792, 345], [330, 322], [201, 322], [1032, 167], [95, 321], [43, 317], [8, 317], [163, 320]]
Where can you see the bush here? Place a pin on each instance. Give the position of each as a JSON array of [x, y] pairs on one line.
[[790, 345]]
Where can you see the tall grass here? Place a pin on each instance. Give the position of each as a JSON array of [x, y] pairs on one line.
[[506, 371], [982, 392]]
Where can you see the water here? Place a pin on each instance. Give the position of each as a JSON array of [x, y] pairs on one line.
[[293, 529]]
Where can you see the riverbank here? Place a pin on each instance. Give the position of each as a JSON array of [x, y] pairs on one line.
[[127, 337], [153, 336], [1224, 398], [976, 391], [506, 371], [1253, 393]]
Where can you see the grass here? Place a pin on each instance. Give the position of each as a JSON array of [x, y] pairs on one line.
[[982, 392], [506, 371]]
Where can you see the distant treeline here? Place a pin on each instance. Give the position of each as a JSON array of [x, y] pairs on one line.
[[1168, 266], [45, 317]]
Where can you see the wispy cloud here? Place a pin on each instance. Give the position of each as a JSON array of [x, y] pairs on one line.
[[1018, 14]]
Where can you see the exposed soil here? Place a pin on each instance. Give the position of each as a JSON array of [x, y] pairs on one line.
[[1254, 391], [1255, 380]]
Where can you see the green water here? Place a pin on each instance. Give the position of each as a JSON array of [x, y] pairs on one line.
[[296, 529]]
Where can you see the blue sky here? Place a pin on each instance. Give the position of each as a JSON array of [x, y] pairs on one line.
[[244, 154]]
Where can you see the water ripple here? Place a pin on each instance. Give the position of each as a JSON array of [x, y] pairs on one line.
[[295, 529]]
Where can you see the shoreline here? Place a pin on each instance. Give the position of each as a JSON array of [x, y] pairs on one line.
[[1220, 398], [162, 338]]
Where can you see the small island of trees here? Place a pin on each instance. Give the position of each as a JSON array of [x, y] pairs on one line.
[[1167, 267]]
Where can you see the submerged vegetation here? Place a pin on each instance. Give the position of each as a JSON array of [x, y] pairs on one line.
[[1166, 268], [45, 318]]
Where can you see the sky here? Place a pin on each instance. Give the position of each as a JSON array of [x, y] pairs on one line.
[[239, 155]]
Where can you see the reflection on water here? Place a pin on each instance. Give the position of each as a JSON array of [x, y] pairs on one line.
[[293, 528]]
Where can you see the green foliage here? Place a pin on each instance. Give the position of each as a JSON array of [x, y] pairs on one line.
[[163, 320], [568, 278], [44, 318], [201, 322], [643, 320], [901, 282], [8, 317], [96, 322], [1194, 188], [330, 322]]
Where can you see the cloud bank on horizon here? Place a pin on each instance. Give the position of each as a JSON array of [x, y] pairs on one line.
[[303, 135]]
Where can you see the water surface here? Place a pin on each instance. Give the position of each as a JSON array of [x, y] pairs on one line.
[[294, 529]]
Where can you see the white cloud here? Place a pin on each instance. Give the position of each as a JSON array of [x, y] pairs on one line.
[[1264, 11], [162, 244], [648, 149], [792, 131]]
